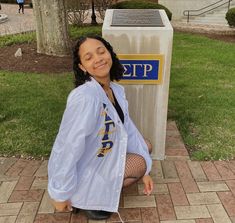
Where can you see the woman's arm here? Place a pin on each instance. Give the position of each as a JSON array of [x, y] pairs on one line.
[[78, 121]]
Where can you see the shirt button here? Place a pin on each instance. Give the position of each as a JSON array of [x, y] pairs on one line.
[[120, 175]]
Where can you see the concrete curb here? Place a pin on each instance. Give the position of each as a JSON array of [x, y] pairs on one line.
[[203, 29]]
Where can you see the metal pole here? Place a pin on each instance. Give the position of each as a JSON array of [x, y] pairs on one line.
[[229, 4], [188, 17], [93, 16]]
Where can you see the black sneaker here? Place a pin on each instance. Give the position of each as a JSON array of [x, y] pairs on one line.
[[75, 210], [97, 215]]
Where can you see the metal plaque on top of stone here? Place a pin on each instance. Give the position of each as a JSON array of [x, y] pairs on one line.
[[137, 18]]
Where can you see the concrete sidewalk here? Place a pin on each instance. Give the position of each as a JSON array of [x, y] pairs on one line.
[[17, 22], [185, 191]]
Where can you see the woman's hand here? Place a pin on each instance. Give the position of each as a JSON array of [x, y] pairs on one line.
[[148, 184], [62, 205]]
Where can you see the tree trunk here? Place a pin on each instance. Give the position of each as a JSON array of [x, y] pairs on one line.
[[51, 27]]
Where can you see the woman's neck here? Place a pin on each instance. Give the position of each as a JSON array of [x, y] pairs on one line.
[[106, 87], [105, 83]]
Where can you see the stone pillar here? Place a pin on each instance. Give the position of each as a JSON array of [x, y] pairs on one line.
[[147, 103]]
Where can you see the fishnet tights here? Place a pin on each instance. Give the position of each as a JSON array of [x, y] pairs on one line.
[[135, 166]]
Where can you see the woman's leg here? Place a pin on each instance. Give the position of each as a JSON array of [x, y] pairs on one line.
[[135, 166], [135, 169], [20, 7], [23, 8], [150, 147]]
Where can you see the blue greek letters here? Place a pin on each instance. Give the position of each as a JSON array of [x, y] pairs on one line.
[[107, 144]]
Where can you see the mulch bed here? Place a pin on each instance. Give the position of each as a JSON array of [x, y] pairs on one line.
[[31, 61]]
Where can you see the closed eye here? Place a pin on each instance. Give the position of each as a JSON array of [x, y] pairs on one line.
[[101, 50], [87, 58]]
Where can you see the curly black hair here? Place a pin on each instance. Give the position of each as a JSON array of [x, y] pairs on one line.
[[116, 70]]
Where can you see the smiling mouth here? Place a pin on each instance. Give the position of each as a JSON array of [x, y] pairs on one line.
[[101, 65]]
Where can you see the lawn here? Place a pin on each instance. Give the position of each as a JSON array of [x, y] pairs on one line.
[[202, 95], [202, 102], [31, 106]]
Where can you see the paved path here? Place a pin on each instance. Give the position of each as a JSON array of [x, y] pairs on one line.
[[17, 22], [185, 191], [203, 28]]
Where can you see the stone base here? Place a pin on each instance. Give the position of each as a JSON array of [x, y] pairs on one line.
[[3, 18]]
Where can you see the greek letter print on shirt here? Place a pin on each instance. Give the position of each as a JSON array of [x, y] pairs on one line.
[[106, 142]]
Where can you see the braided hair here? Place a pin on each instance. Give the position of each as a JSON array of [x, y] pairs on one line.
[[116, 70]]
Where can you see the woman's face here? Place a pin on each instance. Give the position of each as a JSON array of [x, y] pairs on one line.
[[95, 59]]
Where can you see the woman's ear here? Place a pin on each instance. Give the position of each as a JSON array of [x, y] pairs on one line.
[[81, 67]]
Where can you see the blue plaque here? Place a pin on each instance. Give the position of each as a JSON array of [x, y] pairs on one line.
[[142, 68]]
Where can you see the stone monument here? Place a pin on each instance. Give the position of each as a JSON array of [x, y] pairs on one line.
[[143, 38]]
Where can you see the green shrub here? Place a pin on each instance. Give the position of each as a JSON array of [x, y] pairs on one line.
[[138, 4], [230, 16], [8, 1], [76, 31]]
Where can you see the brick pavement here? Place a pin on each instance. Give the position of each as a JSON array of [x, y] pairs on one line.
[[184, 191], [17, 22]]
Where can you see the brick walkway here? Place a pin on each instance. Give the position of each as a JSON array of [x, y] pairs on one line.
[[185, 191], [17, 22]]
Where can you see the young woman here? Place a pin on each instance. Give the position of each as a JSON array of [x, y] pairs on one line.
[[98, 149]]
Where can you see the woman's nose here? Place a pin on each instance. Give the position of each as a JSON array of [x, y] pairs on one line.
[[98, 59]]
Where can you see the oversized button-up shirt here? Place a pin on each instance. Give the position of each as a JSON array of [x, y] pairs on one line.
[[88, 158]]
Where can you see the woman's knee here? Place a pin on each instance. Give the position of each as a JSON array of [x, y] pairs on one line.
[[150, 147], [135, 164], [135, 169]]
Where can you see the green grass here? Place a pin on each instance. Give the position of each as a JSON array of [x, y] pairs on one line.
[[29, 37], [19, 38], [202, 102], [31, 106], [202, 95]]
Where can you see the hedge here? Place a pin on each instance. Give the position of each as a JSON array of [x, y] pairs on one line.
[[138, 4], [230, 16]]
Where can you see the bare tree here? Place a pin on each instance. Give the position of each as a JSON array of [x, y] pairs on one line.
[[51, 27], [102, 5], [77, 11]]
